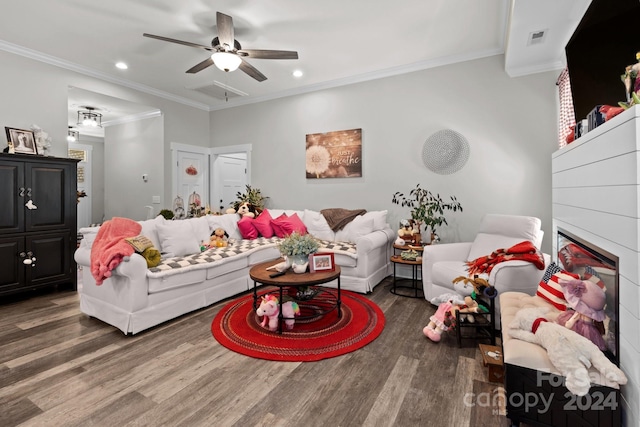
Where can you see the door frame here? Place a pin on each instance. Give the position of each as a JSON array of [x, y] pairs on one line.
[[88, 176], [216, 184]]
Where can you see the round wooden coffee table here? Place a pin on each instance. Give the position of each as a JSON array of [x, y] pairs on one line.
[[260, 274]]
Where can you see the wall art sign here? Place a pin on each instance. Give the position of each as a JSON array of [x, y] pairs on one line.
[[335, 154]]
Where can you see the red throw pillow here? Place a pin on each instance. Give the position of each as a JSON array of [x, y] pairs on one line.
[[276, 224], [263, 224], [247, 228], [293, 224]]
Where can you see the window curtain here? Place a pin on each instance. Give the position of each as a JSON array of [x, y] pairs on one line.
[[566, 116]]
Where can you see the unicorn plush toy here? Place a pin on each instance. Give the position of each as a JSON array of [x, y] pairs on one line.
[[269, 309]]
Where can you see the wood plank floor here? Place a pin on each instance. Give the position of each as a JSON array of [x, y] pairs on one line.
[[60, 368]]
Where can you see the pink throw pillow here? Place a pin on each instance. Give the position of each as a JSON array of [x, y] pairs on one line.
[[263, 224], [292, 224], [247, 228], [276, 224]]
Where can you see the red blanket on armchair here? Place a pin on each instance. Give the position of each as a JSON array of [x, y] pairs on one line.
[[109, 247], [523, 251]]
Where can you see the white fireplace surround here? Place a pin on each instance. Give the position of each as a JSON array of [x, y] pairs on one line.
[[596, 196]]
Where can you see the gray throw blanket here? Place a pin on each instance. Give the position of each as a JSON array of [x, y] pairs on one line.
[[337, 218]]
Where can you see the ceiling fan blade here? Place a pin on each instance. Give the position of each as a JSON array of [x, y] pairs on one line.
[[252, 71], [225, 30], [201, 66], [269, 54], [167, 39]]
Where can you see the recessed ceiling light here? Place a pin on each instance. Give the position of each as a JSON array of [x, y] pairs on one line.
[[297, 73], [122, 65]]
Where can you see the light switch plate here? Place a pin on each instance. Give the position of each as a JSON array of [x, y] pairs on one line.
[[156, 199]]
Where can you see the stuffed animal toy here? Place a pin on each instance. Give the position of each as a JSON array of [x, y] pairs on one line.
[[568, 351], [480, 286], [244, 209], [219, 238], [269, 309], [439, 322], [586, 301], [406, 231], [470, 306]]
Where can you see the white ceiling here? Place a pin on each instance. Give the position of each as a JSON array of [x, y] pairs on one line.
[[338, 42]]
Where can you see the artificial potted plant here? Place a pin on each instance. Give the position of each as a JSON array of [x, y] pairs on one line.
[[296, 248], [426, 208]]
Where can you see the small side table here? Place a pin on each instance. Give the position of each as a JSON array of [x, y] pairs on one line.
[[416, 267], [483, 326], [492, 357]]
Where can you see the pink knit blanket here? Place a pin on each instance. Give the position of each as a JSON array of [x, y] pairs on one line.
[[109, 248]]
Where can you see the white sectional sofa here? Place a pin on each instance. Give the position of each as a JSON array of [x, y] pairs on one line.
[[136, 298]]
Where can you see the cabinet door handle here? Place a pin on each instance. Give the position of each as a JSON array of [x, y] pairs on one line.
[[29, 192], [21, 191]]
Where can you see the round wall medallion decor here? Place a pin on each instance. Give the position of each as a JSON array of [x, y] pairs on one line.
[[445, 152]]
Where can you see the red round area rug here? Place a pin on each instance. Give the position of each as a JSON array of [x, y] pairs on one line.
[[238, 328]]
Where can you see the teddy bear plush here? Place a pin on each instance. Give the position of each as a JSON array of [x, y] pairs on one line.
[[568, 351], [219, 238]]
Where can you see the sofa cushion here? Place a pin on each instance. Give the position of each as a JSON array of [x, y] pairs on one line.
[[294, 224], [263, 224], [502, 232], [358, 227], [285, 225], [443, 273], [149, 230], [247, 228], [277, 228], [177, 238], [379, 219], [317, 225], [200, 228]]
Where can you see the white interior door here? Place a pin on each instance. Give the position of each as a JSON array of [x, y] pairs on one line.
[[192, 176], [82, 152], [233, 177]]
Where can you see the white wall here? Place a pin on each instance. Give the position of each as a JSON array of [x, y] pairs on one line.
[[35, 92], [133, 149], [510, 125]]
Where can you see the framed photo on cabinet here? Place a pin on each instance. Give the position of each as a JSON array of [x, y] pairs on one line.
[[22, 141]]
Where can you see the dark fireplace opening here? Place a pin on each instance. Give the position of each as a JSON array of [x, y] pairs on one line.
[[591, 262]]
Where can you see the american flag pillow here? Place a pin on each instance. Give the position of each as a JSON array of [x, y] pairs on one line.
[[549, 287]]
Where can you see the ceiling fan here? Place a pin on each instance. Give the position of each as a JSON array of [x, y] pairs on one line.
[[228, 55]]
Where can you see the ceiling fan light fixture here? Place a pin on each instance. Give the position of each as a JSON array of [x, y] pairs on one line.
[[226, 61]]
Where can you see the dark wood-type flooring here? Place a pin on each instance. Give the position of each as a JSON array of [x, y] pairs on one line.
[[59, 367]]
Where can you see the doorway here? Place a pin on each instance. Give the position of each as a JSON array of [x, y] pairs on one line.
[[191, 173], [231, 172]]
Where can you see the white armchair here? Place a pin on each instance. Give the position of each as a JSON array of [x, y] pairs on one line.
[[441, 263]]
